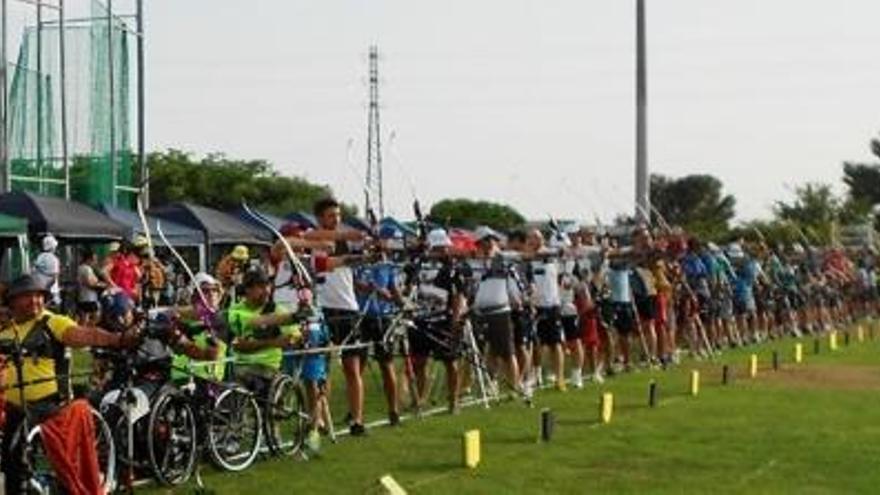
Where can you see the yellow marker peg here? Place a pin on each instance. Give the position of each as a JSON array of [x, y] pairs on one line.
[[832, 340], [470, 443], [606, 407], [695, 382], [390, 486], [798, 352], [753, 366], [860, 333]]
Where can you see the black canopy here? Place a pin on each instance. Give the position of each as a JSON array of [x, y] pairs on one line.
[[64, 219], [178, 235], [217, 227]]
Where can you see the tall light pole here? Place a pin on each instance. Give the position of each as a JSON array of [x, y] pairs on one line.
[[643, 202]]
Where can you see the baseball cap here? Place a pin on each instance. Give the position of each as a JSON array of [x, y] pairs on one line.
[[439, 238], [240, 253]]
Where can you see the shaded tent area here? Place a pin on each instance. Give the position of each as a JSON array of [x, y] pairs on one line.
[[391, 227], [217, 228], [14, 243], [276, 221], [303, 218], [177, 234], [66, 220], [190, 241]]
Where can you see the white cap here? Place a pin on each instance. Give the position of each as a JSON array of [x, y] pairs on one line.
[[559, 240], [49, 243], [438, 238], [203, 278], [734, 250], [483, 232], [713, 248]]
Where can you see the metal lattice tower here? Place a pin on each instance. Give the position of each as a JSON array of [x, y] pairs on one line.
[[373, 186]]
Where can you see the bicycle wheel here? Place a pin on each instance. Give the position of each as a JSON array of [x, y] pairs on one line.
[[171, 438], [234, 430], [285, 416]]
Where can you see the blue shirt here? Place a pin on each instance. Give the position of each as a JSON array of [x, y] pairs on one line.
[[381, 276]]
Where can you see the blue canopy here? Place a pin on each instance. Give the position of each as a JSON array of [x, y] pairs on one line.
[[358, 224], [390, 223], [242, 215], [177, 234], [303, 218]]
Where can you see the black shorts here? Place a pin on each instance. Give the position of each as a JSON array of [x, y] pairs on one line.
[[549, 326], [647, 306], [87, 307], [523, 328], [374, 330], [571, 329], [434, 338], [624, 320], [341, 324], [497, 329]]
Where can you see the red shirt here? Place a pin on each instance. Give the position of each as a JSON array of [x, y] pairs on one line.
[[124, 273]]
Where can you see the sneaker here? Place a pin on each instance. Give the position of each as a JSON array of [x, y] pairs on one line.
[[349, 419], [357, 430], [598, 378], [561, 386], [577, 379], [313, 441], [393, 419]]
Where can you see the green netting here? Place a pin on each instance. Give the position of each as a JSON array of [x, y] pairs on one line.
[[98, 119]]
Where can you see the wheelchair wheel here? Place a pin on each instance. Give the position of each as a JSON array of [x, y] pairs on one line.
[[171, 438], [43, 480], [234, 429], [285, 416]]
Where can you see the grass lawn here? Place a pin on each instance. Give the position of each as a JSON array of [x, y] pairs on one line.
[[807, 428]]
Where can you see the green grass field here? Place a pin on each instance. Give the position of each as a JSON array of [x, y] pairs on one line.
[[807, 428]]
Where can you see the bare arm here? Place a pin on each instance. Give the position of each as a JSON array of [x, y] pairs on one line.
[[80, 336]]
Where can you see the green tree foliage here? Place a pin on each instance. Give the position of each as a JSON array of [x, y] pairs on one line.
[[863, 179], [815, 210], [220, 182], [469, 214], [695, 202]]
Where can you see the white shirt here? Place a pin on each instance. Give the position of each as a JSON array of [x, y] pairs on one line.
[[284, 291], [336, 291], [546, 276], [566, 289], [47, 267]]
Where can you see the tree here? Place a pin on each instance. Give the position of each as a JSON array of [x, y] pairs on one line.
[[223, 183], [863, 179], [814, 210], [694, 202], [469, 214]]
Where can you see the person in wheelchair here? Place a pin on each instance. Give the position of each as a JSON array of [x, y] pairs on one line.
[[205, 325], [158, 341], [36, 341], [260, 333]]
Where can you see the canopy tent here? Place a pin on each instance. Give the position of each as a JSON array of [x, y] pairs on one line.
[[392, 224], [177, 234], [11, 227], [218, 228], [275, 220], [463, 240], [14, 243], [66, 220], [303, 218], [358, 224]]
